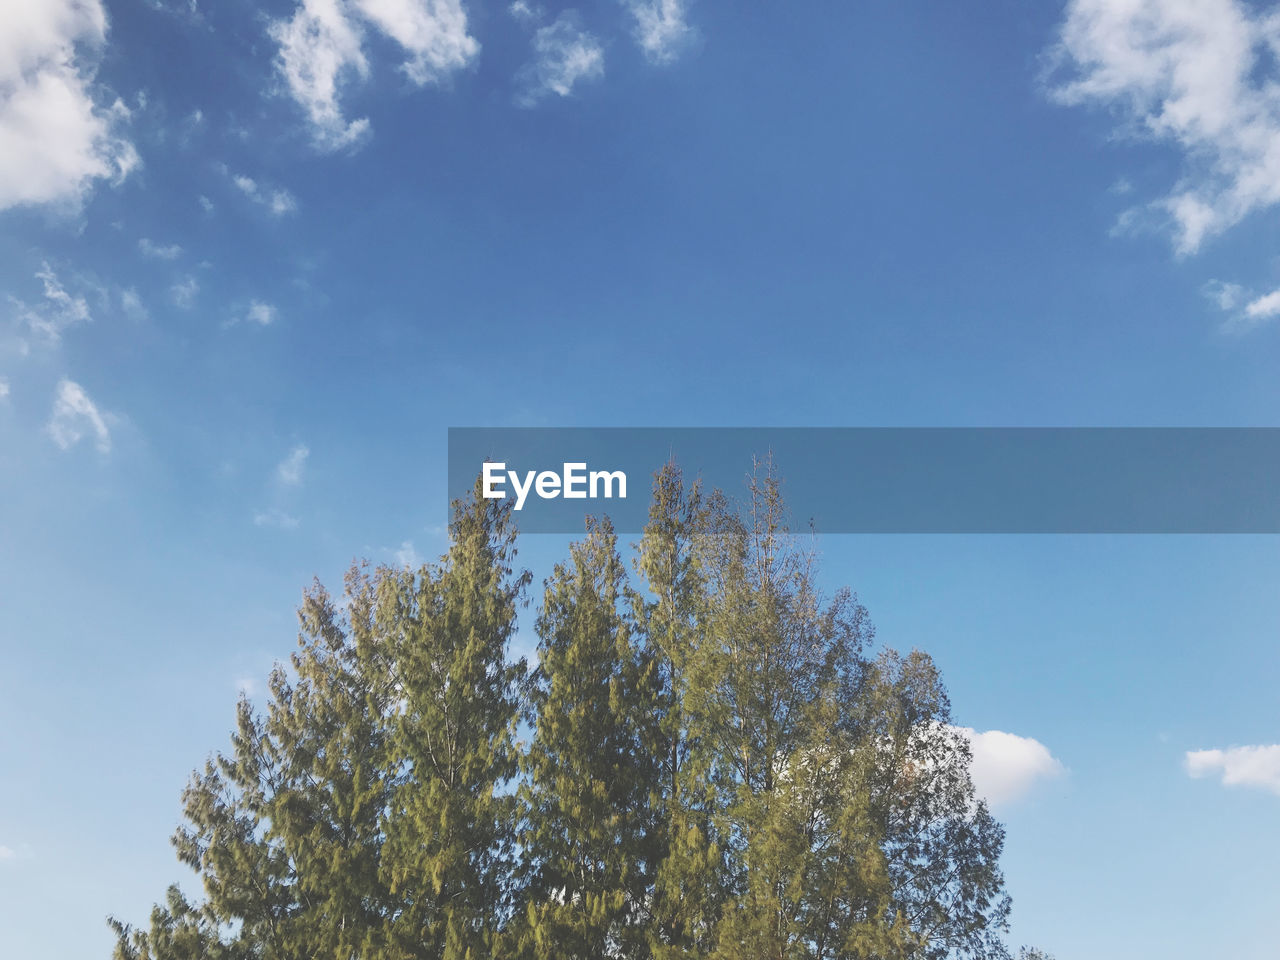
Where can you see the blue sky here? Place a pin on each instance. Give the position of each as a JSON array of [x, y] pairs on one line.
[[256, 258]]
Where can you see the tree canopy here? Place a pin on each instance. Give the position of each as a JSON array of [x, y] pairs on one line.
[[709, 759]]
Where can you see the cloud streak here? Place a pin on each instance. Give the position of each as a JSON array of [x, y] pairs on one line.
[[156, 251], [277, 519], [183, 292], [1245, 310], [75, 416], [278, 201], [289, 471], [46, 321]]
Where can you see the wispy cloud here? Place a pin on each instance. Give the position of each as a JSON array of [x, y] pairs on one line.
[[288, 476], [1225, 296], [432, 32], [1245, 310], [564, 55], [56, 139], [289, 470], [1263, 308], [661, 29], [1256, 766], [131, 304], [4, 388], [1201, 76], [7, 853], [277, 200], [183, 292], [75, 416], [525, 12], [157, 251], [407, 556], [321, 52], [275, 518], [260, 313], [59, 309], [1006, 766]]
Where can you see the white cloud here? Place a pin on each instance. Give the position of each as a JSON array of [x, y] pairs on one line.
[[275, 518], [4, 388], [75, 415], [59, 310], [407, 556], [321, 51], [564, 55], [1006, 766], [191, 126], [432, 32], [183, 292], [205, 203], [1199, 74], [7, 853], [1246, 310], [1257, 766], [525, 12], [1265, 307], [277, 201], [132, 305], [158, 251], [55, 141], [660, 28], [289, 471], [1226, 296], [261, 313]]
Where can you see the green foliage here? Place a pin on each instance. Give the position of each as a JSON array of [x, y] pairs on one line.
[[716, 765], [450, 824], [587, 780]]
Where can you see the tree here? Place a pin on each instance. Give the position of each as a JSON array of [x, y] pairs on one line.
[[825, 794], [587, 780], [285, 830], [366, 814], [450, 822], [689, 858], [718, 766]]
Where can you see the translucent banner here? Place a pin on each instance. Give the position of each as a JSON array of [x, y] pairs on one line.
[[893, 480]]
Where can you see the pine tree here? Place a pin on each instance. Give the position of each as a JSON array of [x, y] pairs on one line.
[[717, 767], [941, 844], [284, 831], [793, 808], [451, 818], [688, 871], [587, 780]]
